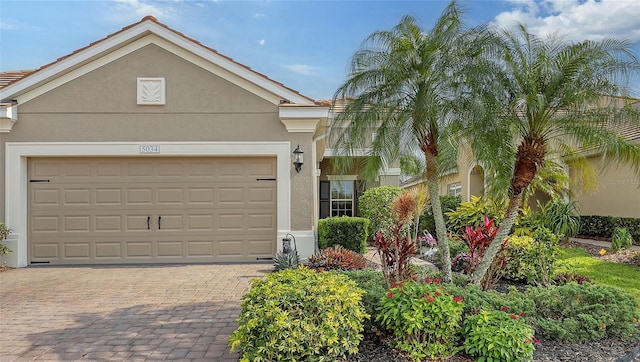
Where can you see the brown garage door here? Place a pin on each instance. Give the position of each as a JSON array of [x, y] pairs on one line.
[[151, 210]]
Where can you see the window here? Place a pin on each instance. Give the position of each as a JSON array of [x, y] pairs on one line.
[[454, 189], [341, 198]]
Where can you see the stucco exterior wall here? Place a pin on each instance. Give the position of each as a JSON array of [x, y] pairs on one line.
[[101, 106], [617, 192]]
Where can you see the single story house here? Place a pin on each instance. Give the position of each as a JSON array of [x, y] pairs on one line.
[[149, 147]]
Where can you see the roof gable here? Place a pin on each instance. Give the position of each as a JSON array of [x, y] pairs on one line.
[[148, 30]]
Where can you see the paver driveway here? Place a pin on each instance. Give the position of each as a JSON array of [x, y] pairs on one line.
[[124, 313]]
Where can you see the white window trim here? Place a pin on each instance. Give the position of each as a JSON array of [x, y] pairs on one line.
[[16, 181], [454, 186]]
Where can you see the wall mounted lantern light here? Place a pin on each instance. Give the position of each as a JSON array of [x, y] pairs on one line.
[[297, 158]]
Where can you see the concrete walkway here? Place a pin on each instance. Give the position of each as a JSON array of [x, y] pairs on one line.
[[603, 244], [133, 313]]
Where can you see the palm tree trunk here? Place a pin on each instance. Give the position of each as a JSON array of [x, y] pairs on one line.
[[503, 232], [436, 209], [529, 159]]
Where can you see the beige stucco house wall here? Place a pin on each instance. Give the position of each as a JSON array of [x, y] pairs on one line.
[[616, 192], [148, 97]]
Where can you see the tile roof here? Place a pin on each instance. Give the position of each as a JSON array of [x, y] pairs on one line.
[[153, 19], [9, 77]]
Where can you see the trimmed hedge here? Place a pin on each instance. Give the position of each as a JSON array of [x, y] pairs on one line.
[[348, 232], [603, 226]]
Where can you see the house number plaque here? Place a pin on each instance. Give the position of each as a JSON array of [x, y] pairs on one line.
[[149, 149]]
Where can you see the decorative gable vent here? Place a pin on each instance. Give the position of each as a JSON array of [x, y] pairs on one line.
[[151, 91]]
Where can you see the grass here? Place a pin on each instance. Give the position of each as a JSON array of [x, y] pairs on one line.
[[623, 276]]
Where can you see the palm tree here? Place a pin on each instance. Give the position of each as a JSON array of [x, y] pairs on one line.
[[403, 85], [547, 96]]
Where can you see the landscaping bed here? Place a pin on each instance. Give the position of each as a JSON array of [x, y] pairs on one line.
[[372, 349]]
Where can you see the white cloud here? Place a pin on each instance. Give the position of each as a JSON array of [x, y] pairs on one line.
[[262, 42], [5, 26], [577, 20], [302, 69], [258, 15], [134, 10]]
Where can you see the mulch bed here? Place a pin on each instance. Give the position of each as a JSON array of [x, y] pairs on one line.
[[373, 349]]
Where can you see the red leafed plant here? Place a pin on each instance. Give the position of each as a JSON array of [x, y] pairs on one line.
[[478, 239], [397, 248], [337, 258]]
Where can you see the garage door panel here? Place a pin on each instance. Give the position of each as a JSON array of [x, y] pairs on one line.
[[137, 223], [78, 170], [45, 252], [45, 224], [171, 169], [260, 221], [198, 195], [170, 249], [108, 196], [77, 196], [139, 196], [261, 195], [108, 250], [96, 210], [201, 222], [170, 223], [77, 250], [109, 170], [108, 223], [139, 249], [45, 197], [76, 224], [170, 196]]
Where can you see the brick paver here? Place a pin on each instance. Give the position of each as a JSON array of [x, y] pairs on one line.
[[127, 313]]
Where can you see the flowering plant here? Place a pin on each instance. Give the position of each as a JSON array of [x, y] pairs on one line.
[[423, 316]]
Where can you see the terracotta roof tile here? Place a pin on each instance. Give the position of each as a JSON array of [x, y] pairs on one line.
[[9, 77], [151, 18]]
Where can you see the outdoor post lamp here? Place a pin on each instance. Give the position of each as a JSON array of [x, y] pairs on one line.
[[297, 158]]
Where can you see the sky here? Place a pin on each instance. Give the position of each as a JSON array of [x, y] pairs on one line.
[[306, 45]]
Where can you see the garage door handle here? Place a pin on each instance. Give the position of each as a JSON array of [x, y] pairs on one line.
[[159, 218], [148, 222]]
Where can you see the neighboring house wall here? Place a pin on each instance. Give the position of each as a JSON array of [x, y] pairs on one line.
[[617, 191]]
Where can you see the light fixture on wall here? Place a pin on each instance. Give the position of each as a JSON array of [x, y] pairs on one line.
[[297, 158]]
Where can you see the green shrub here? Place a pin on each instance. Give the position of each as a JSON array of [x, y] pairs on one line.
[[423, 316], [498, 336], [375, 287], [603, 226], [561, 217], [375, 205], [472, 213], [621, 239], [348, 232], [632, 225], [4, 234], [337, 258], [593, 225], [532, 259], [579, 313], [476, 299], [448, 204], [299, 314]]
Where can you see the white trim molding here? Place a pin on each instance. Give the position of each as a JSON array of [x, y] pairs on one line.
[[16, 181], [8, 117], [299, 119]]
